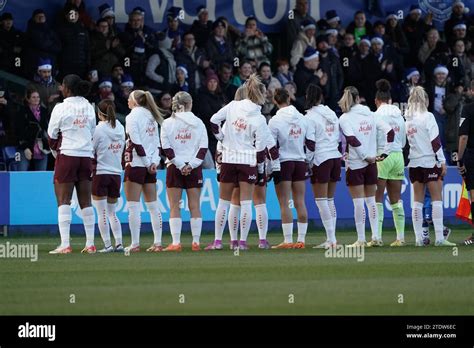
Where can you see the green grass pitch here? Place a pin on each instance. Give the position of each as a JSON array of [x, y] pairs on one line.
[[431, 281]]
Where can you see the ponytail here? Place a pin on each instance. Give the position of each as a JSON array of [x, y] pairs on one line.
[[146, 100], [107, 109], [383, 91], [349, 98], [418, 101], [255, 90], [181, 101], [314, 96]]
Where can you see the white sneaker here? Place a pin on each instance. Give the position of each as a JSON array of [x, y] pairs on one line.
[[108, 249], [357, 244], [419, 243]]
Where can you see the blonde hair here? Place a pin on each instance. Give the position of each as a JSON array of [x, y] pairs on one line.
[[255, 90], [241, 93], [146, 100], [181, 101], [418, 101], [349, 98]]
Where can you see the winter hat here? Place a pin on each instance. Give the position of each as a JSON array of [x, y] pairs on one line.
[[201, 9], [365, 39], [377, 39], [310, 53], [139, 10], [415, 8], [127, 81], [211, 75], [331, 16], [410, 72], [391, 14], [45, 64], [307, 25], [441, 69], [184, 69], [217, 23], [106, 10], [173, 12], [105, 82]]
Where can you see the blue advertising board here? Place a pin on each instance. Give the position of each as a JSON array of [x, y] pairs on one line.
[[32, 201]]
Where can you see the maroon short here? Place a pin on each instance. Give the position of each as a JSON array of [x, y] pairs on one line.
[[424, 175], [69, 169], [294, 171], [362, 176], [174, 178], [106, 185], [235, 173], [328, 171], [139, 175]]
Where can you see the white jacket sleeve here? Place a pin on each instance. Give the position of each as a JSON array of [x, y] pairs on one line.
[[217, 119], [350, 137], [135, 138], [310, 142], [385, 128], [202, 150], [166, 147], [273, 152], [433, 132], [54, 127], [261, 144]]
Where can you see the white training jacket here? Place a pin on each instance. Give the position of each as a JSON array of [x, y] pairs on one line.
[[244, 137], [425, 144], [360, 130], [143, 143], [291, 132], [184, 140], [109, 145], [391, 115], [324, 124], [72, 124]]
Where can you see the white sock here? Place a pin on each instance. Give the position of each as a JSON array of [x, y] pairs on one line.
[[437, 214], [156, 221], [417, 219], [332, 208], [134, 221], [233, 221], [326, 218], [302, 229], [359, 216], [114, 223], [175, 228], [64, 223], [245, 219], [221, 217], [88, 218], [196, 227], [102, 221], [287, 232], [262, 220], [373, 216]]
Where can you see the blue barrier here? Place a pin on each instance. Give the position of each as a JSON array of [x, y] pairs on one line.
[[27, 199]]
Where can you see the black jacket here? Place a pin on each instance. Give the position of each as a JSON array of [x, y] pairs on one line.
[[201, 32], [331, 66], [183, 56], [363, 73], [217, 57], [30, 129], [303, 78], [75, 55], [9, 41]]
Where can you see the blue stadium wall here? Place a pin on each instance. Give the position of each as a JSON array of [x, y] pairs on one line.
[[271, 14], [28, 204]]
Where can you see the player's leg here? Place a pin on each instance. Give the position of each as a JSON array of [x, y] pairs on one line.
[[114, 222], [379, 199], [357, 194], [283, 191], [332, 205], [174, 197], [149, 194], [435, 188], [417, 211], [63, 193], [234, 218], [246, 193], [427, 217], [298, 192], [133, 192], [259, 201], [394, 189], [100, 203], [225, 195], [369, 191], [194, 204], [84, 194], [320, 191]]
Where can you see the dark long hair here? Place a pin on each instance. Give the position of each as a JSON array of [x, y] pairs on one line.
[[314, 96], [107, 108], [77, 86]]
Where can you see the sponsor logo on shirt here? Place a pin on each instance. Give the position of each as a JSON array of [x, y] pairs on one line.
[[183, 136], [80, 121], [365, 128], [411, 131], [395, 127], [240, 124], [329, 128], [115, 147], [295, 132], [151, 129]]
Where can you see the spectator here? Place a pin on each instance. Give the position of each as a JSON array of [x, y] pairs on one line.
[[117, 75], [394, 34], [458, 15], [293, 26], [346, 53], [334, 22], [11, 45], [47, 87], [136, 31], [105, 90], [165, 103], [107, 12], [181, 84], [93, 78], [232, 34], [226, 86], [305, 39], [412, 79], [195, 60], [459, 64], [254, 43], [388, 59], [211, 100], [307, 72], [415, 28], [271, 85], [364, 71], [218, 48], [32, 133], [121, 97], [174, 30], [360, 26], [84, 18], [106, 51], [432, 47], [201, 27], [75, 54], [453, 105], [459, 33], [7, 131], [333, 43], [41, 42], [161, 66], [245, 70], [284, 75], [330, 65]]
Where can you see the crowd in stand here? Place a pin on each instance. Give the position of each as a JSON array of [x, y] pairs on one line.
[[211, 59]]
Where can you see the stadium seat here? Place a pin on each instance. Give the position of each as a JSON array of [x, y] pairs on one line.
[[9, 156]]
